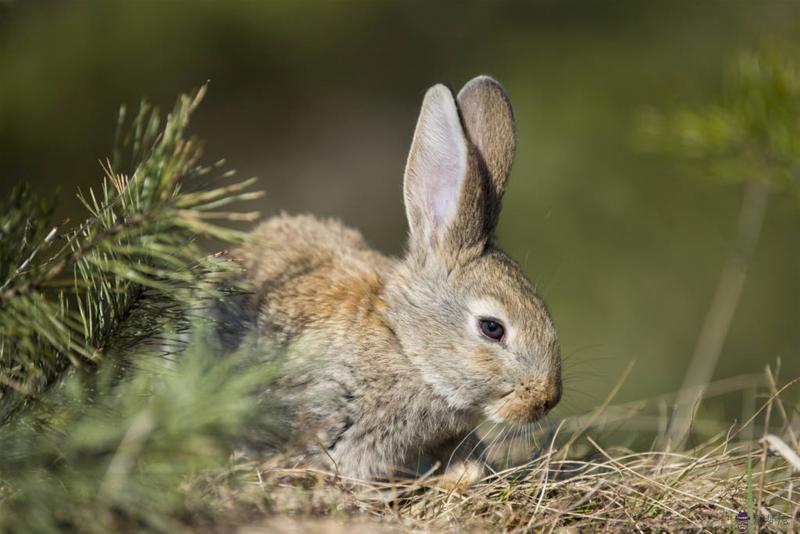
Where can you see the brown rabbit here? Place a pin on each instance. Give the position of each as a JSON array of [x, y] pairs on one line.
[[410, 354]]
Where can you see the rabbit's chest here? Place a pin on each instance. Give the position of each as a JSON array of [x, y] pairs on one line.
[[381, 422]]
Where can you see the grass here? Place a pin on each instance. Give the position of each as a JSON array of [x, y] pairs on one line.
[[580, 481]]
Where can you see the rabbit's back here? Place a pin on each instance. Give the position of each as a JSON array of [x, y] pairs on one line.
[[311, 274]]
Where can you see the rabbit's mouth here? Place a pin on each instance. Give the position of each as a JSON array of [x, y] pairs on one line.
[[527, 402]]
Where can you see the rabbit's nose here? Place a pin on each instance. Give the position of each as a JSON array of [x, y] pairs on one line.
[[553, 397], [541, 395]]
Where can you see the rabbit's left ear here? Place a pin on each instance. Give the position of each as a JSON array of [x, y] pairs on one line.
[[436, 170], [489, 124]]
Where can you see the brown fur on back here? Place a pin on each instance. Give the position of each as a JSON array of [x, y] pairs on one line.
[[307, 272]]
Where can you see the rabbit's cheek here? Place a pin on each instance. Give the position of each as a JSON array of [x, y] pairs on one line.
[[486, 359]]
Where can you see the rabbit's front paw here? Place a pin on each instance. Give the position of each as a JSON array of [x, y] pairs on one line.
[[460, 462], [461, 475]]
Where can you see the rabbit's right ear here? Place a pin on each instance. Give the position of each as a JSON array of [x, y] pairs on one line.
[[436, 169], [489, 122]]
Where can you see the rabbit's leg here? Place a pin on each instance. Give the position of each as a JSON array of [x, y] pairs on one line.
[[460, 460]]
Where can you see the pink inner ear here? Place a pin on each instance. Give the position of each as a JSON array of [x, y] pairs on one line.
[[443, 167], [444, 191], [436, 167]]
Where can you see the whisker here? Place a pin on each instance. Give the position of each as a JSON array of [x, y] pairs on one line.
[[479, 442], [510, 445], [485, 457], [528, 435], [452, 454]]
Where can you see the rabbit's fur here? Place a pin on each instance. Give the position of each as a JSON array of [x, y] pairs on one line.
[[400, 365]]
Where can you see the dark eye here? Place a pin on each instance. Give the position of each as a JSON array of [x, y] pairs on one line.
[[492, 329]]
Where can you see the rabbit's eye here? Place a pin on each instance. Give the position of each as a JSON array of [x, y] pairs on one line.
[[492, 329]]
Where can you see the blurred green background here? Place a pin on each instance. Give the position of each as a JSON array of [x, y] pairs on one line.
[[319, 99]]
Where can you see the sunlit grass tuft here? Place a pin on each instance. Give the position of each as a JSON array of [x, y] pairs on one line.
[[581, 481]]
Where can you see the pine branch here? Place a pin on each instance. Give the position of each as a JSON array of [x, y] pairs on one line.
[[102, 454], [119, 443], [65, 291]]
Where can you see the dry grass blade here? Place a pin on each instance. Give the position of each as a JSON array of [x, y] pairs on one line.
[[601, 488], [778, 445], [597, 413]]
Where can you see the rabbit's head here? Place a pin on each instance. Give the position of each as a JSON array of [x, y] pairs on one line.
[[462, 309]]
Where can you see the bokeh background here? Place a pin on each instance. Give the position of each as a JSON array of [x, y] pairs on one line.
[[319, 100]]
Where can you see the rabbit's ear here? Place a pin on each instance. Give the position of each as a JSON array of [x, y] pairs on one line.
[[436, 170], [489, 124]]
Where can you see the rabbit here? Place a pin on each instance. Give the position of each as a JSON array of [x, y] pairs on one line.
[[410, 353]]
